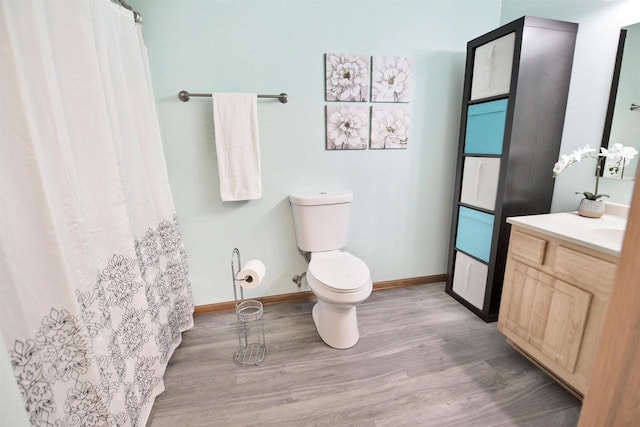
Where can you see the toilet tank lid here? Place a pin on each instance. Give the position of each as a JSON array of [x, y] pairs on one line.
[[321, 198]]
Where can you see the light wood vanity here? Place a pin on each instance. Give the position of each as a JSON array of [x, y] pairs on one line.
[[559, 275]]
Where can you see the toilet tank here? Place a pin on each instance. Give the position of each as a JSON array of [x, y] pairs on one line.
[[321, 220]]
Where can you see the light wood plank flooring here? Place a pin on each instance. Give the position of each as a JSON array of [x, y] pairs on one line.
[[422, 360]]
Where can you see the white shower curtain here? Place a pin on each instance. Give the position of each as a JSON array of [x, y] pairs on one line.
[[94, 290]]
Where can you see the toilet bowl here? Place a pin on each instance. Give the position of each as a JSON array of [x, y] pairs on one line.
[[340, 281]]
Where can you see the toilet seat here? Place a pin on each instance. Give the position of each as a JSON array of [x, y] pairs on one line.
[[339, 271]]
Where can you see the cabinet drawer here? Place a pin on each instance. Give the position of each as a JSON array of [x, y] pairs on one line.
[[527, 248], [584, 269], [480, 182], [485, 127], [470, 279], [474, 232], [492, 64]]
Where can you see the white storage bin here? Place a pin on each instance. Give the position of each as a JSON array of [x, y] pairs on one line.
[[470, 279], [480, 182], [492, 66]]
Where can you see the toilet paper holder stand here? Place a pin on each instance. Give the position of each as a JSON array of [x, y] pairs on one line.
[[251, 339], [234, 271]]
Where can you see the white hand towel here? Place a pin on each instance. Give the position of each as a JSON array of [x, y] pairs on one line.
[[235, 119]]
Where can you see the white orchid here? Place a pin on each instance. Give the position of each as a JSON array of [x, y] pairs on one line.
[[584, 152], [575, 157], [619, 155]]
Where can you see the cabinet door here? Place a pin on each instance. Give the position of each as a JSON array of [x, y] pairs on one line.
[[474, 233], [492, 65], [480, 182], [470, 279], [547, 313], [485, 127]]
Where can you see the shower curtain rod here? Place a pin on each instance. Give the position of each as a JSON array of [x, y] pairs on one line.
[[136, 16], [184, 96]]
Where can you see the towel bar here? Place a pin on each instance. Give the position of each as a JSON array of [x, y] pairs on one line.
[[184, 96]]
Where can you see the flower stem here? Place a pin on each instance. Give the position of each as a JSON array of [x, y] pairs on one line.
[[598, 170]]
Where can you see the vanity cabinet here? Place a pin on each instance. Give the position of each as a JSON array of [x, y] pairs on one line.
[[554, 300], [513, 107]]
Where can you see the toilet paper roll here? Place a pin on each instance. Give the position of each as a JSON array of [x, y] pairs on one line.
[[252, 273]]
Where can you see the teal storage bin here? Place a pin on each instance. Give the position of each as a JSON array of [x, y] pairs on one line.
[[474, 233], [485, 127]]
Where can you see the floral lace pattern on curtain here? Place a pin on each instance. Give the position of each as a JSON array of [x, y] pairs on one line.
[[110, 332]]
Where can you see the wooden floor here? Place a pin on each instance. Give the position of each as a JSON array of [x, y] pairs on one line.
[[422, 360]]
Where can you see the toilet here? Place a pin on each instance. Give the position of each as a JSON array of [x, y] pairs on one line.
[[337, 278]]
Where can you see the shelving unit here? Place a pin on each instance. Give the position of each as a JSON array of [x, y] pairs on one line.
[[514, 102]]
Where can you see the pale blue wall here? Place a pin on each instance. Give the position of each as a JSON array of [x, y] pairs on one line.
[[401, 212], [596, 44], [402, 198]]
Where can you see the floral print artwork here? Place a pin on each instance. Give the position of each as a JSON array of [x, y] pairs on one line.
[[391, 79], [347, 127], [347, 77], [390, 126]]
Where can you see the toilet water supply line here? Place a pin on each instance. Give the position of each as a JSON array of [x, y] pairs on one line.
[[297, 279]]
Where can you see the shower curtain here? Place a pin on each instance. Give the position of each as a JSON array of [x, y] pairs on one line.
[[94, 290]]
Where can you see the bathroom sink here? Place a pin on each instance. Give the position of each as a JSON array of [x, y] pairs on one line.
[[611, 236], [603, 234]]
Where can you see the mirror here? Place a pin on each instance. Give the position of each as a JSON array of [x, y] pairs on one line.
[[622, 123]]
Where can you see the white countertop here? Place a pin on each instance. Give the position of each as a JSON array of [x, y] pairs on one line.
[[603, 234]]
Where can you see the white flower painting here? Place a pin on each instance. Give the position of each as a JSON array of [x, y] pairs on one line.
[[347, 77], [390, 126], [391, 79], [347, 127]]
